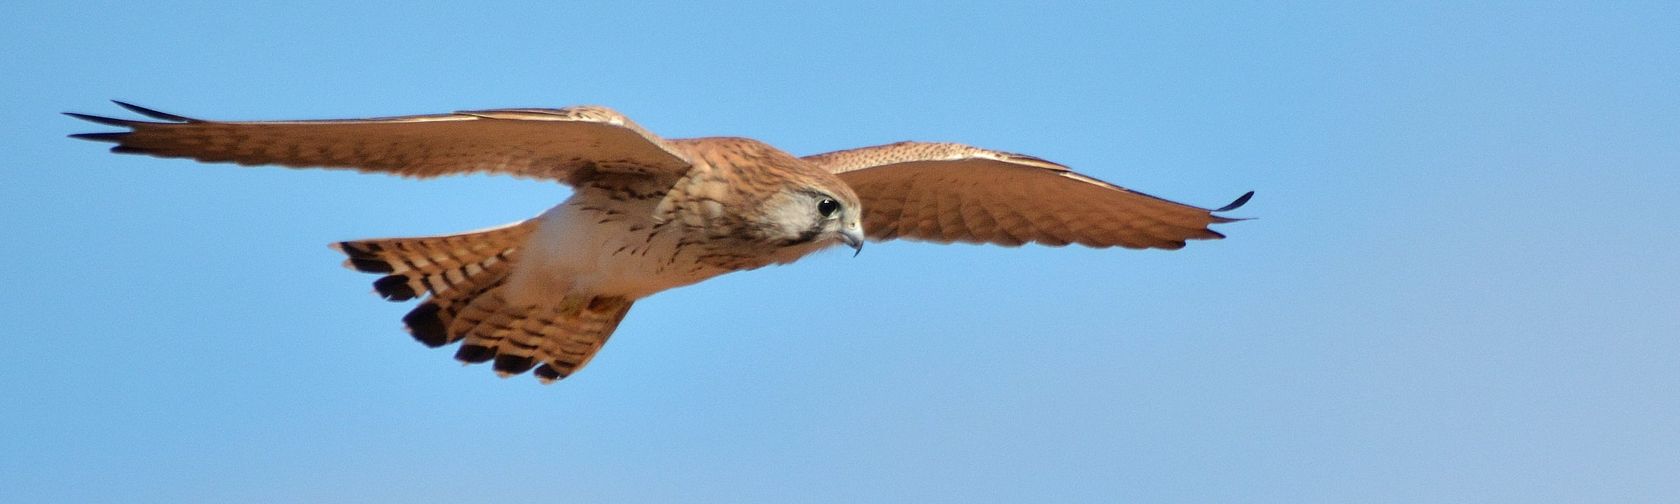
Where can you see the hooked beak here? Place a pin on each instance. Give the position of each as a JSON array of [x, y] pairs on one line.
[[853, 239]]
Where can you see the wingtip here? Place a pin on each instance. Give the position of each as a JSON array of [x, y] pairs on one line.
[[1241, 200], [154, 114], [108, 121], [100, 137]]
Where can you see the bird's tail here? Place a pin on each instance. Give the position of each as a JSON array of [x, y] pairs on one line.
[[446, 267], [557, 340], [463, 275]]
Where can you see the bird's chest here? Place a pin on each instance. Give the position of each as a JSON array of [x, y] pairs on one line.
[[604, 243]]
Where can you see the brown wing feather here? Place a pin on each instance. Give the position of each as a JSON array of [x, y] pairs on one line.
[[946, 193], [558, 144]]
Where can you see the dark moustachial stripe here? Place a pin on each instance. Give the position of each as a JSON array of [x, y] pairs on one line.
[[807, 236]]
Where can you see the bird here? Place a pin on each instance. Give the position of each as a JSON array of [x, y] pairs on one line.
[[648, 214]]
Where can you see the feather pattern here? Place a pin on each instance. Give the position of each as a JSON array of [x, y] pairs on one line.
[[647, 214], [945, 192], [571, 145]]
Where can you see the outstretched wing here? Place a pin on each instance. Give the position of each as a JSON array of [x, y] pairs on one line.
[[944, 192], [567, 145]]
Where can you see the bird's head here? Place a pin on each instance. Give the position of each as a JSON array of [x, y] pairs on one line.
[[814, 208], [758, 193]]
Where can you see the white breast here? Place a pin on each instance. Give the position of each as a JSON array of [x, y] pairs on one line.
[[594, 244]]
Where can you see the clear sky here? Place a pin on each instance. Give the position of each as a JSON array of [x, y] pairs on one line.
[[1463, 284]]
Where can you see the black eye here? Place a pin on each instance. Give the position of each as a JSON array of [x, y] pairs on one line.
[[828, 207]]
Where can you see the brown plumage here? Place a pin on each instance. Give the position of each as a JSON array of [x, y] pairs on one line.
[[945, 192], [649, 214]]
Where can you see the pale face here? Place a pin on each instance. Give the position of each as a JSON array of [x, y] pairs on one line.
[[806, 216]]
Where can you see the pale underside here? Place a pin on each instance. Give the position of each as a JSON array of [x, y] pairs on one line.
[[597, 245]]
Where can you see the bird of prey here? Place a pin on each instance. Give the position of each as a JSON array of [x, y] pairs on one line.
[[649, 214]]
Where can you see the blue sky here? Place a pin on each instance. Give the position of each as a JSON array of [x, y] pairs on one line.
[[1461, 285]]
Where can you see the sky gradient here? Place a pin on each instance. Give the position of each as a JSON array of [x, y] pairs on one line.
[[1460, 285]]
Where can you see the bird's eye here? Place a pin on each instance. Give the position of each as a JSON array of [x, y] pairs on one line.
[[828, 208]]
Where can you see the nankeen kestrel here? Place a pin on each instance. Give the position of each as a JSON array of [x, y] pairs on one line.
[[650, 214]]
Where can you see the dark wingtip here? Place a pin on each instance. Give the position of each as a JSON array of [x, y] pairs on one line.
[[1241, 200], [164, 116], [108, 121], [100, 137]]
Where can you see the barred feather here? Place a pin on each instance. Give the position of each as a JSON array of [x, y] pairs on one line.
[[440, 265], [555, 340], [462, 276]]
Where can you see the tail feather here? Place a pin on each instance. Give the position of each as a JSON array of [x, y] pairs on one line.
[[462, 277], [440, 265], [566, 342], [555, 340], [431, 323]]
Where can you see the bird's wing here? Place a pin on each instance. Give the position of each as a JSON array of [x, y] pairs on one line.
[[568, 145], [943, 192]]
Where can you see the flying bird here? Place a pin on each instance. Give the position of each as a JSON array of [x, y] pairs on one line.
[[649, 214]]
